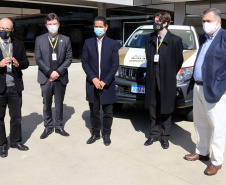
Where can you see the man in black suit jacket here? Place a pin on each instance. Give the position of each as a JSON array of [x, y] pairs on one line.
[[53, 54], [164, 53], [100, 62], [12, 60]]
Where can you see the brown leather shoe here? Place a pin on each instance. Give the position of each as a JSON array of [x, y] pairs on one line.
[[195, 156], [212, 169]]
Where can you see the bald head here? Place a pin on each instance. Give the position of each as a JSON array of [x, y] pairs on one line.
[[6, 24]]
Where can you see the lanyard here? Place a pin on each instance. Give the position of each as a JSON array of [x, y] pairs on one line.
[[158, 45], [7, 53], [55, 42]]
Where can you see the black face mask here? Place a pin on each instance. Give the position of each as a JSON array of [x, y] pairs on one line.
[[5, 34], [158, 26]]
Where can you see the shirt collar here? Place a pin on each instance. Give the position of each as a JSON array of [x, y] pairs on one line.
[[52, 37], [163, 35], [100, 40], [214, 35], [3, 41]]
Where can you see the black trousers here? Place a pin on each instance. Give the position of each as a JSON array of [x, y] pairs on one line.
[[13, 99], [159, 123], [48, 90], [95, 116]]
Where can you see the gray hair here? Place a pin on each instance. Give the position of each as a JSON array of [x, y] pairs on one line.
[[217, 12]]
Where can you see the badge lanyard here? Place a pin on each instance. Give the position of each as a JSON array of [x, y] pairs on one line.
[[7, 53], [159, 44], [54, 57], [156, 56]]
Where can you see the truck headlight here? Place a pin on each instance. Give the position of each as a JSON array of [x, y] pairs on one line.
[[184, 74]]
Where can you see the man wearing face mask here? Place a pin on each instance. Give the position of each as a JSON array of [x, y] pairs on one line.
[[53, 55], [12, 60], [100, 61], [209, 96], [164, 53]]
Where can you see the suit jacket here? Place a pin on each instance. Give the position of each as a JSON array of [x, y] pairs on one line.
[[42, 58], [19, 54], [214, 68], [109, 66], [170, 62]]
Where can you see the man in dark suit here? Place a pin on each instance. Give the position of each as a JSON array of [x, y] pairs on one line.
[[53, 55], [100, 61], [209, 96], [12, 60], [164, 53]]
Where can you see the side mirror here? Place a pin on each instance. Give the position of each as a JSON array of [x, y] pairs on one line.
[[120, 43]]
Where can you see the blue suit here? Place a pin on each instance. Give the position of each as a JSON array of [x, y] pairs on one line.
[[214, 68], [109, 66]]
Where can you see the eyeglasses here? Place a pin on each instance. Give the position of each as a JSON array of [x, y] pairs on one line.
[[6, 29], [56, 24]]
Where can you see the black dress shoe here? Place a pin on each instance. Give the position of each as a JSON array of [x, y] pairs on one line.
[[150, 141], [19, 146], [92, 139], [164, 143], [61, 131], [3, 151], [107, 140], [46, 133]]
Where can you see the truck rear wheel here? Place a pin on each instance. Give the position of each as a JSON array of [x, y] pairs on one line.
[[189, 113], [117, 107]]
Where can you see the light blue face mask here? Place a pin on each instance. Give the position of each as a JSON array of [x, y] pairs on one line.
[[99, 31]]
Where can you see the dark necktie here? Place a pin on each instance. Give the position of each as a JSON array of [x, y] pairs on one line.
[[159, 39]]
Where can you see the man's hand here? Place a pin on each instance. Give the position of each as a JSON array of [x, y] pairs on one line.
[[4, 62], [54, 75], [96, 82], [15, 62], [102, 84]]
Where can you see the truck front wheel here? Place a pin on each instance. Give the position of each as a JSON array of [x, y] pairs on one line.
[[189, 113], [117, 107]]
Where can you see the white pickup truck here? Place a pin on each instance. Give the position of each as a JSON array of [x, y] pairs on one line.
[[130, 77]]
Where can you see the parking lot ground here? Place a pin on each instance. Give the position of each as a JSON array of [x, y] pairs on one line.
[[69, 160]]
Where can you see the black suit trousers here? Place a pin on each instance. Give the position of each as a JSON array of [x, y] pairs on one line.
[[13, 99], [50, 89], [159, 123], [95, 116]]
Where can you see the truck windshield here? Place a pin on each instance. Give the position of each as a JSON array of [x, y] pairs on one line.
[[138, 38]]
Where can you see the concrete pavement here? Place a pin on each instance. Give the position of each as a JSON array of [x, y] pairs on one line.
[[69, 160]]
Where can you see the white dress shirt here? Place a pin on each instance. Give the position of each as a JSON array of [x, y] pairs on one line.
[[99, 44]]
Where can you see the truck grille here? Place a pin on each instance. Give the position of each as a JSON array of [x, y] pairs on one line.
[[124, 90], [133, 74]]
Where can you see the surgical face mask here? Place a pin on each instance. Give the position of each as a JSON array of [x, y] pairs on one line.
[[209, 28], [158, 26], [5, 34], [52, 28], [99, 31]]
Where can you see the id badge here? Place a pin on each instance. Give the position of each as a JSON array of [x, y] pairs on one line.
[[10, 65], [156, 58], [54, 56]]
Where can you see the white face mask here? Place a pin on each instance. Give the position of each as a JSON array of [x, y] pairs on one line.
[[52, 28], [209, 28]]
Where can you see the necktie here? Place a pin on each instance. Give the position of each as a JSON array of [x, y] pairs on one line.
[[159, 39]]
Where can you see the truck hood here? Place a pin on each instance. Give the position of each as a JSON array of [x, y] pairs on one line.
[[136, 57]]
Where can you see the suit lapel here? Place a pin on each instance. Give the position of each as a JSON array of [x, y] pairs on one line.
[[213, 44], [45, 46], [60, 46], [15, 45], [103, 47]]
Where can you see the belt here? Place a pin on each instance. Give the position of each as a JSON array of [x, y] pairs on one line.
[[199, 82]]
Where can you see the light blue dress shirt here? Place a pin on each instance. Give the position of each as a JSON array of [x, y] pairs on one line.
[[201, 57]]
